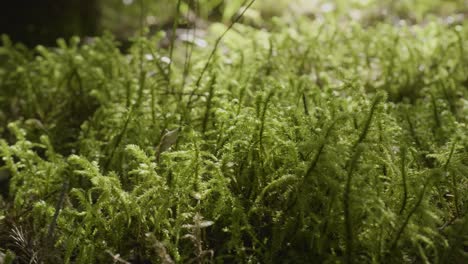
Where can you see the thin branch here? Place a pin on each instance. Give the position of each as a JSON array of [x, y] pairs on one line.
[[215, 48]]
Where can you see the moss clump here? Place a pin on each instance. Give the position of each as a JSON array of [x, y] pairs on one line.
[[313, 142]]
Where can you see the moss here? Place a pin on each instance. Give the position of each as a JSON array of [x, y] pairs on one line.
[[312, 142]]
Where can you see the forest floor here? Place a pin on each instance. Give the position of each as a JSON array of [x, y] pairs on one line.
[[332, 136]]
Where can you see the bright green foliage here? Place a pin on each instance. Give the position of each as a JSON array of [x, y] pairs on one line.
[[312, 143]]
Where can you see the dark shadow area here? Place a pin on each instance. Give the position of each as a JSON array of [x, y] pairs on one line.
[[35, 22]]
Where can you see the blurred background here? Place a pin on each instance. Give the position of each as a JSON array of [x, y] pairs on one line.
[[43, 21]]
